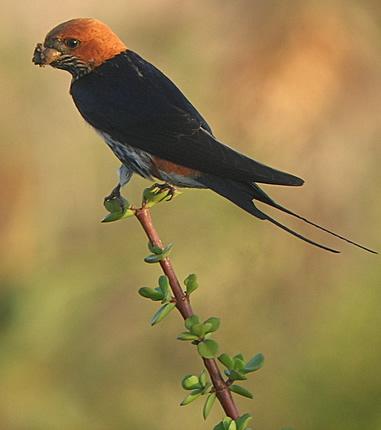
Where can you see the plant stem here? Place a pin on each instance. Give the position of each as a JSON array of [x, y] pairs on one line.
[[183, 305], [182, 299]]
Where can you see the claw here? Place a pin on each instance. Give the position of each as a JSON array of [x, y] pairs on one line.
[[171, 190], [115, 194]]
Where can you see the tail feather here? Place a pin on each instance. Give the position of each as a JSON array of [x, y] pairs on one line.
[[287, 211], [294, 233], [243, 193], [249, 206], [260, 195]]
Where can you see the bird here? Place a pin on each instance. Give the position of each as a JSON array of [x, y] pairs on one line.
[[151, 127]]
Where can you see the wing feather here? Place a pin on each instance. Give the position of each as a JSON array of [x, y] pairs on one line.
[[137, 105]]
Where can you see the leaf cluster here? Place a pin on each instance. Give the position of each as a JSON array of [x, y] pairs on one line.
[[160, 294], [119, 208], [199, 334], [198, 385], [239, 424], [158, 254]]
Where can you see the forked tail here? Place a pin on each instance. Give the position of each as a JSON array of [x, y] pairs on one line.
[[287, 211], [243, 193]]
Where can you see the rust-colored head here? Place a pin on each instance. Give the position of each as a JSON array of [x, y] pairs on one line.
[[78, 46]]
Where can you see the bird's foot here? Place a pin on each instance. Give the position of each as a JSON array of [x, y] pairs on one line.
[[171, 190], [115, 194], [118, 207], [158, 193]]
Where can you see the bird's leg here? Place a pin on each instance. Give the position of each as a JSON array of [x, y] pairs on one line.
[[171, 190], [115, 194]]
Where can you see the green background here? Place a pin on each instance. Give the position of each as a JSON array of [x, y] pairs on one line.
[[294, 84]]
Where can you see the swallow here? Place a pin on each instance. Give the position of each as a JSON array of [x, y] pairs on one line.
[[151, 127]]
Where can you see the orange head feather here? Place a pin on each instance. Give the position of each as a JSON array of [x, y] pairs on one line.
[[85, 41]]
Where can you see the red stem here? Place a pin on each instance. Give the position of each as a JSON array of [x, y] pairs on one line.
[[183, 305]]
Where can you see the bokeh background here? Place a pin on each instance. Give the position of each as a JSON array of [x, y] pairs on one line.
[[294, 84]]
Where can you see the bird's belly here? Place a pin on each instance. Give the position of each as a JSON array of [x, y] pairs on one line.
[[179, 180], [140, 162], [133, 159]]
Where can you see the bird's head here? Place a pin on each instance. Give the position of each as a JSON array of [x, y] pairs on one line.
[[78, 46]]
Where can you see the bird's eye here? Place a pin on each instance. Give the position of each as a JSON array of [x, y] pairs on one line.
[[72, 43]]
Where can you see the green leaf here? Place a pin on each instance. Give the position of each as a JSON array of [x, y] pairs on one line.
[[162, 313], [191, 283], [118, 215], [200, 329], [241, 391], [157, 250], [208, 348], [255, 363], [235, 376], [209, 402], [190, 382], [240, 357], [164, 283], [167, 298], [191, 287], [226, 424], [229, 424], [190, 278], [226, 360], [207, 388], [151, 293], [167, 250], [113, 205], [202, 378], [154, 249], [155, 258], [215, 324], [116, 210], [191, 397], [243, 421], [164, 287], [238, 364], [187, 336], [194, 319]]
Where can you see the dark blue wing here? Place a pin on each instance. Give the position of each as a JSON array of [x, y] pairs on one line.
[[136, 104]]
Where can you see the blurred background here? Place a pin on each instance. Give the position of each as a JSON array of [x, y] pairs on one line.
[[296, 85]]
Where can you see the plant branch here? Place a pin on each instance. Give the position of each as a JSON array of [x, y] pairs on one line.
[[182, 299], [183, 305]]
